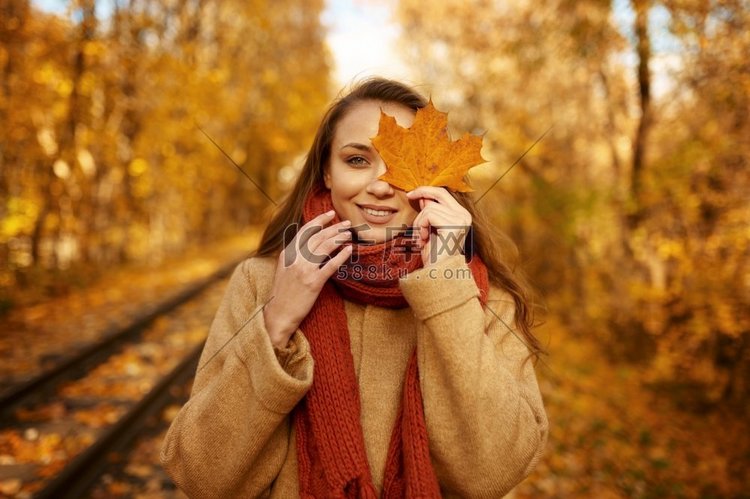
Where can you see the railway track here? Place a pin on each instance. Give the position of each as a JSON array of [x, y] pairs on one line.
[[61, 429], [76, 478]]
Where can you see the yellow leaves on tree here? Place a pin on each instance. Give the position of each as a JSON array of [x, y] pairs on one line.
[[424, 154]]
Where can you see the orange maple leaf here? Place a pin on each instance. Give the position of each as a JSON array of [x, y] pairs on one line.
[[424, 153]]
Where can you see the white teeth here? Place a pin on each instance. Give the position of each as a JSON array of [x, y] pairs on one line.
[[379, 213]]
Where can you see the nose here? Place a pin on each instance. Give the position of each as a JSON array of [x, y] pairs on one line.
[[379, 188]]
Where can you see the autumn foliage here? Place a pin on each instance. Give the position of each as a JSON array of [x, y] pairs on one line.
[[101, 158], [631, 213], [424, 153], [632, 216]]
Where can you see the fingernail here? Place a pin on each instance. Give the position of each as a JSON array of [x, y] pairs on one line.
[[346, 223], [331, 212]]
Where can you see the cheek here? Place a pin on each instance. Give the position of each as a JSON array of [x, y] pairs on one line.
[[347, 185]]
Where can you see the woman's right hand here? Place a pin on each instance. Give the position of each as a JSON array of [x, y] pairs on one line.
[[300, 277]]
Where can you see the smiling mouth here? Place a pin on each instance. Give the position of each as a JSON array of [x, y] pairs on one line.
[[377, 213], [377, 216]]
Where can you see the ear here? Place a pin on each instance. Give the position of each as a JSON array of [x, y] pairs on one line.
[[327, 177]]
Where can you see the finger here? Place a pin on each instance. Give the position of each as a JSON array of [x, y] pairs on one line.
[[441, 221], [458, 217], [422, 225], [335, 230], [320, 252], [337, 261], [425, 202], [329, 245], [439, 194], [433, 219], [424, 234], [435, 212], [313, 227], [299, 237]]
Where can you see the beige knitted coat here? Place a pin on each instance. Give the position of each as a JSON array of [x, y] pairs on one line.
[[484, 413]]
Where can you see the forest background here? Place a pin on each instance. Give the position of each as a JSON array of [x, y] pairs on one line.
[[628, 196]]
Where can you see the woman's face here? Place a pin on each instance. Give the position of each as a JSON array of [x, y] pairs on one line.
[[376, 209]]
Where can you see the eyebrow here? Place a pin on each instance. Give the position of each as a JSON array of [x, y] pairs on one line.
[[356, 145]]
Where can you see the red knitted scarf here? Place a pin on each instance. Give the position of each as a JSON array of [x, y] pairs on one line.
[[330, 443]]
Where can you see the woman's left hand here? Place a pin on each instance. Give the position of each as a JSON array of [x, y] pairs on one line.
[[439, 209]]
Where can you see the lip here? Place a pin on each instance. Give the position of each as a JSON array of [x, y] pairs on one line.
[[377, 207], [377, 219]]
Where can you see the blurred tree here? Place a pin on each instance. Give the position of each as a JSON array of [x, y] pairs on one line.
[[101, 160], [643, 52], [699, 184], [642, 198], [516, 70]]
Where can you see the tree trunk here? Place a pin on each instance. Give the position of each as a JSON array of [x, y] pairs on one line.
[[643, 50]]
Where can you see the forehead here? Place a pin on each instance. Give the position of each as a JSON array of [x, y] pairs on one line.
[[360, 124]]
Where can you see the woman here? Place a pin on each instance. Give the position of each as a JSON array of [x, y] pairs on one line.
[[354, 355]]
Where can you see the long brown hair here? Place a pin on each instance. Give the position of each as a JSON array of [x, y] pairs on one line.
[[495, 248]]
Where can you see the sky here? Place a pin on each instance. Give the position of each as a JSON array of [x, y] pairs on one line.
[[363, 39]]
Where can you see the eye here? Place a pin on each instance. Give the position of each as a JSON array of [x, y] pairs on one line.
[[357, 161]]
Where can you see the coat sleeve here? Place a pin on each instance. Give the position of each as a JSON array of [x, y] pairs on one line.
[[484, 413], [230, 439]]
